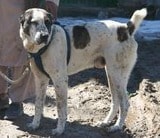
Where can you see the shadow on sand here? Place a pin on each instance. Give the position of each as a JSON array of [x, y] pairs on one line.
[[73, 130]]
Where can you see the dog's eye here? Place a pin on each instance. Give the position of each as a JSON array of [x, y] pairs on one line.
[[34, 23], [48, 22]]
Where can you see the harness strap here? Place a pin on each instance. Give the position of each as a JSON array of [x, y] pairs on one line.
[[38, 59], [68, 45], [38, 62], [37, 56], [68, 41]]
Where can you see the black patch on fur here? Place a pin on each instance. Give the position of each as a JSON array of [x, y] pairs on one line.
[[122, 33], [25, 21], [131, 27], [81, 37]]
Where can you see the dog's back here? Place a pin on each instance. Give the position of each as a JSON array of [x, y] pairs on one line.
[[89, 40]]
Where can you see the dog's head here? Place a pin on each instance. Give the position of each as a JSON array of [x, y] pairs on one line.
[[35, 29]]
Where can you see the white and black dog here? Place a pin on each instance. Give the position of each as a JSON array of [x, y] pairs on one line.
[[102, 44]]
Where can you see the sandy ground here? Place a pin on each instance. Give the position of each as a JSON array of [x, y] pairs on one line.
[[89, 103]]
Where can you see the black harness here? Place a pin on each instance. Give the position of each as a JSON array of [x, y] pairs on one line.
[[37, 56]]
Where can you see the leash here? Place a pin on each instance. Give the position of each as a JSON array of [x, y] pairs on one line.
[[5, 77]]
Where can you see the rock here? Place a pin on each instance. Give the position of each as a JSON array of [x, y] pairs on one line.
[[144, 112], [157, 16]]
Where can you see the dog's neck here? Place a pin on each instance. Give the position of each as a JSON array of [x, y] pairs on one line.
[[37, 56], [44, 48]]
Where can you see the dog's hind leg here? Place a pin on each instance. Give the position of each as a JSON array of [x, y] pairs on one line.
[[61, 89], [119, 101], [121, 90], [119, 66], [41, 85], [114, 101]]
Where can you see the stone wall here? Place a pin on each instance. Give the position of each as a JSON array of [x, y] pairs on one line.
[[131, 3], [156, 3], [124, 8]]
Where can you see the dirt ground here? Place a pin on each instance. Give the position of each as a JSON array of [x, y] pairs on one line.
[[89, 103]]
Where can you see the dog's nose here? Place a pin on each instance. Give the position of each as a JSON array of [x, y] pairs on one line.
[[44, 37]]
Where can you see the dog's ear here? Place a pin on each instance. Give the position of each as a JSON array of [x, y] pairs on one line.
[[25, 20], [22, 19], [50, 17]]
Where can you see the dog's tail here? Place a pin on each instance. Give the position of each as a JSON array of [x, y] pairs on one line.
[[136, 20]]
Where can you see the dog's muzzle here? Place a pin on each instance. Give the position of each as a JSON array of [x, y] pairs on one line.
[[42, 38]]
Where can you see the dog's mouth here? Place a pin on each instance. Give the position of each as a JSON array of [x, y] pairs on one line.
[[30, 47], [33, 47]]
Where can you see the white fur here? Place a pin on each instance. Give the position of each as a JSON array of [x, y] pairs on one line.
[[137, 18], [120, 58]]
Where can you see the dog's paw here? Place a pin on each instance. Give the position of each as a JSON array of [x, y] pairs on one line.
[[32, 126], [102, 124], [109, 127], [57, 131], [114, 128]]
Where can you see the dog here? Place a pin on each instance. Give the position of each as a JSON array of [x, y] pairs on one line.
[[64, 51]]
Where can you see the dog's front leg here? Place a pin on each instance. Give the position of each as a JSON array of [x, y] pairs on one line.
[[61, 88], [39, 103]]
